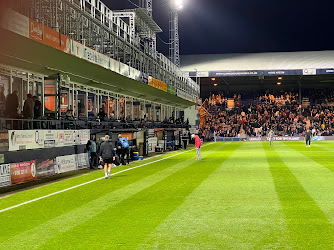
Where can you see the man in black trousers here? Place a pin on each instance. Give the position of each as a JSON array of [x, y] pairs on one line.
[[308, 138]]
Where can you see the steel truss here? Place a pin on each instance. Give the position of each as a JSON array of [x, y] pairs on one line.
[[130, 41]]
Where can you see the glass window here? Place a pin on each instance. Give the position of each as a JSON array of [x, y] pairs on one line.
[[129, 108], [4, 91], [112, 106], [122, 107], [50, 97], [81, 100], [136, 109], [92, 103]]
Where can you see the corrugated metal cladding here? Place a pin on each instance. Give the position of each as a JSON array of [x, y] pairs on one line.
[[258, 61]]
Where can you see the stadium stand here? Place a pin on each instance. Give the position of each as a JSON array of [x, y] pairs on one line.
[[255, 117]]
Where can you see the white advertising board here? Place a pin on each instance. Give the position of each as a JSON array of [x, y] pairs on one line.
[[15, 22], [134, 74], [78, 49], [50, 137], [5, 175], [84, 136], [66, 163], [96, 57], [25, 139], [124, 69], [114, 65], [102, 60], [82, 160], [65, 138]]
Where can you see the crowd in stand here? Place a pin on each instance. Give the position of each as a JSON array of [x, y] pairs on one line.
[[282, 113]]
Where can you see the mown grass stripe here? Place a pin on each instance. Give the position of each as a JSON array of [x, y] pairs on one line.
[[320, 157], [130, 221], [73, 199], [88, 182], [41, 234], [47, 189], [308, 225], [236, 207]]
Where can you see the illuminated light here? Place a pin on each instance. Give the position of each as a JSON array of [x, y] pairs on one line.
[[279, 83], [280, 78], [215, 84], [213, 79], [178, 4]]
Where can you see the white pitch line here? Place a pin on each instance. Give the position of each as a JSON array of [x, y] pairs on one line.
[[88, 182]]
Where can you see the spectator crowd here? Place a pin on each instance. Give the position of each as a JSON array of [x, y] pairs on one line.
[[282, 113]]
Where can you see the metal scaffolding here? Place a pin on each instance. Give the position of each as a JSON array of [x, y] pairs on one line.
[[128, 36]]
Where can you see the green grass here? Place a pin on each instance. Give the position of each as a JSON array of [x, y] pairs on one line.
[[240, 196]]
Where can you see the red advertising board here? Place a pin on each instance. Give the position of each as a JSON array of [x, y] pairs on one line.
[[48, 36], [23, 171]]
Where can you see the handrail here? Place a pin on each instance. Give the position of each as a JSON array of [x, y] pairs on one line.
[[21, 124]]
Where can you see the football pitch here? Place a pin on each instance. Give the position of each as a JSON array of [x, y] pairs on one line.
[[242, 195]]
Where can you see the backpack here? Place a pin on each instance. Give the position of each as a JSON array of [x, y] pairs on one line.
[[124, 142]]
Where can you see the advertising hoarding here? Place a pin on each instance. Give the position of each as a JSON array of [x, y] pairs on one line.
[[46, 167], [49, 37], [50, 138], [23, 171], [143, 77], [96, 57], [34, 139], [66, 163], [84, 136], [66, 138], [25, 139], [78, 49], [157, 84], [124, 69], [114, 65], [5, 179], [82, 161], [35, 31]]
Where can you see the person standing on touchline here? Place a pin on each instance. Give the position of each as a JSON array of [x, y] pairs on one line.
[[198, 144]]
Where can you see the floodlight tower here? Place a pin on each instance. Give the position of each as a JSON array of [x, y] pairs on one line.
[[174, 42], [146, 4]]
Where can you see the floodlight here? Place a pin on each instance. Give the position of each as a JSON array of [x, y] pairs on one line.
[[279, 83], [178, 4], [213, 79]]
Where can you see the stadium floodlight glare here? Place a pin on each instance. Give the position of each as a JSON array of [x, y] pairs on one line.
[[178, 4]]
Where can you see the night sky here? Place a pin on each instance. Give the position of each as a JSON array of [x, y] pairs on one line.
[[245, 26]]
